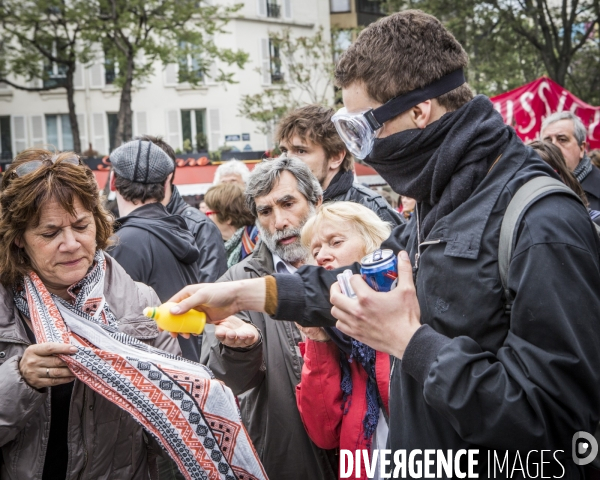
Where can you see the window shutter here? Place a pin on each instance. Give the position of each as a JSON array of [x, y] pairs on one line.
[[265, 61], [97, 80], [171, 75], [19, 133], [174, 129], [99, 142], [214, 118], [141, 123], [37, 125], [261, 8], [79, 77], [213, 72], [213, 69], [82, 124], [287, 9]]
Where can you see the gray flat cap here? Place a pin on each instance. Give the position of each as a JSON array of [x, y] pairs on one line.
[[141, 162]]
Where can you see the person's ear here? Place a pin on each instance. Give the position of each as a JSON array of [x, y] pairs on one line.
[[336, 160], [319, 202], [113, 188], [19, 242], [421, 114], [583, 149], [169, 179]]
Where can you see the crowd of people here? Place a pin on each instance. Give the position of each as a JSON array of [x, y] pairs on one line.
[[444, 361]]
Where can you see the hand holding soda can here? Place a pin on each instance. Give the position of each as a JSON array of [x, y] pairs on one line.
[[380, 270]]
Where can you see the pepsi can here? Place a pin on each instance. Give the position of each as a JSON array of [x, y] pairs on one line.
[[380, 270]]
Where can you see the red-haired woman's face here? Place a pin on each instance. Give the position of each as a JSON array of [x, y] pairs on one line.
[[62, 247]]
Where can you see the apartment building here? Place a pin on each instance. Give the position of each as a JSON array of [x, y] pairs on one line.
[[206, 115]]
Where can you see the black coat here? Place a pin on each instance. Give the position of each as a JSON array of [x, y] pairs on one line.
[[212, 259], [474, 376], [591, 187]]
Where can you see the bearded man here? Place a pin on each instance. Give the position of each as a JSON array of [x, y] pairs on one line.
[[282, 194]]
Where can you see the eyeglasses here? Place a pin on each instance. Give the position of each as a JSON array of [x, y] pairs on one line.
[[211, 212], [33, 165]]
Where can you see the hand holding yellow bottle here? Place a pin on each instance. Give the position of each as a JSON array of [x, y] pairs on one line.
[[190, 322]]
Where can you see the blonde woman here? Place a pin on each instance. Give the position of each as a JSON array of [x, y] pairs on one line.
[[343, 393]]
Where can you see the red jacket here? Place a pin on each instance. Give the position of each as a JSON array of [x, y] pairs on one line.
[[320, 397]]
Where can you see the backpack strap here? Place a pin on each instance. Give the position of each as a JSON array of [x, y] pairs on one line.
[[527, 194]]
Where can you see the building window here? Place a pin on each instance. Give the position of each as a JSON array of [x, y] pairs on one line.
[[339, 6], [113, 121], [190, 68], [5, 138], [276, 73], [273, 9], [193, 129], [55, 75], [58, 132], [111, 70], [371, 6]]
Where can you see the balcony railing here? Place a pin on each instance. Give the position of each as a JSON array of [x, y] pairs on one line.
[[273, 10]]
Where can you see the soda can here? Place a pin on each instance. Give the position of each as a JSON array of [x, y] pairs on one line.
[[380, 270]]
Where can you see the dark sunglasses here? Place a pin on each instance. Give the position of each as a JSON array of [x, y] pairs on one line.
[[34, 165]]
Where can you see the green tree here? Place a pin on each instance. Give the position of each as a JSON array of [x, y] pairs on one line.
[[512, 42], [557, 30], [307, 63], [140, 33], [40, 39]]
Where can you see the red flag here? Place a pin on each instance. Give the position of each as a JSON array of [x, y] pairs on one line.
[[526, 107]]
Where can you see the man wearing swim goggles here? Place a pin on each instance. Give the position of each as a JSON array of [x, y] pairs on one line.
[[476, 373]]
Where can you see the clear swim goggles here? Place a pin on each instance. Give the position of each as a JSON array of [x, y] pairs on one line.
[[359, 130]]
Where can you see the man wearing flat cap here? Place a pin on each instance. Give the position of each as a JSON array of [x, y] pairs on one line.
[[154, 247]]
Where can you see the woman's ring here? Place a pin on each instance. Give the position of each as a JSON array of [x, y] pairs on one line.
[[48, 372]]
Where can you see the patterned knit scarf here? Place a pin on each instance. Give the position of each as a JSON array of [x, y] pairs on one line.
[[583, 169], [193, 416]]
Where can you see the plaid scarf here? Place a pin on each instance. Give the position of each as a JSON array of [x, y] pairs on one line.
[[193, 416]]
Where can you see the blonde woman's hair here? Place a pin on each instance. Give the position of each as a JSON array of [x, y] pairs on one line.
[[365, 222]]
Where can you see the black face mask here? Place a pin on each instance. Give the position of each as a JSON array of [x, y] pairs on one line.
[[442, 164]]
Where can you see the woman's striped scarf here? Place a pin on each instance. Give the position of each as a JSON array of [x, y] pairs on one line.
[[193, 416]]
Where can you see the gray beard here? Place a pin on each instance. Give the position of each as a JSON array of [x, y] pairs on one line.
[[292, 253]]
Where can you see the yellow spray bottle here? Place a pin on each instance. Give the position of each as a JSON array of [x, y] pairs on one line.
[[190, 322]]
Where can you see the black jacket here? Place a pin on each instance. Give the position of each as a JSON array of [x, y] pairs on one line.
[[157, 249], [212, 260], [268, 407], [591, 187], [474, 376], [340, 189]]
